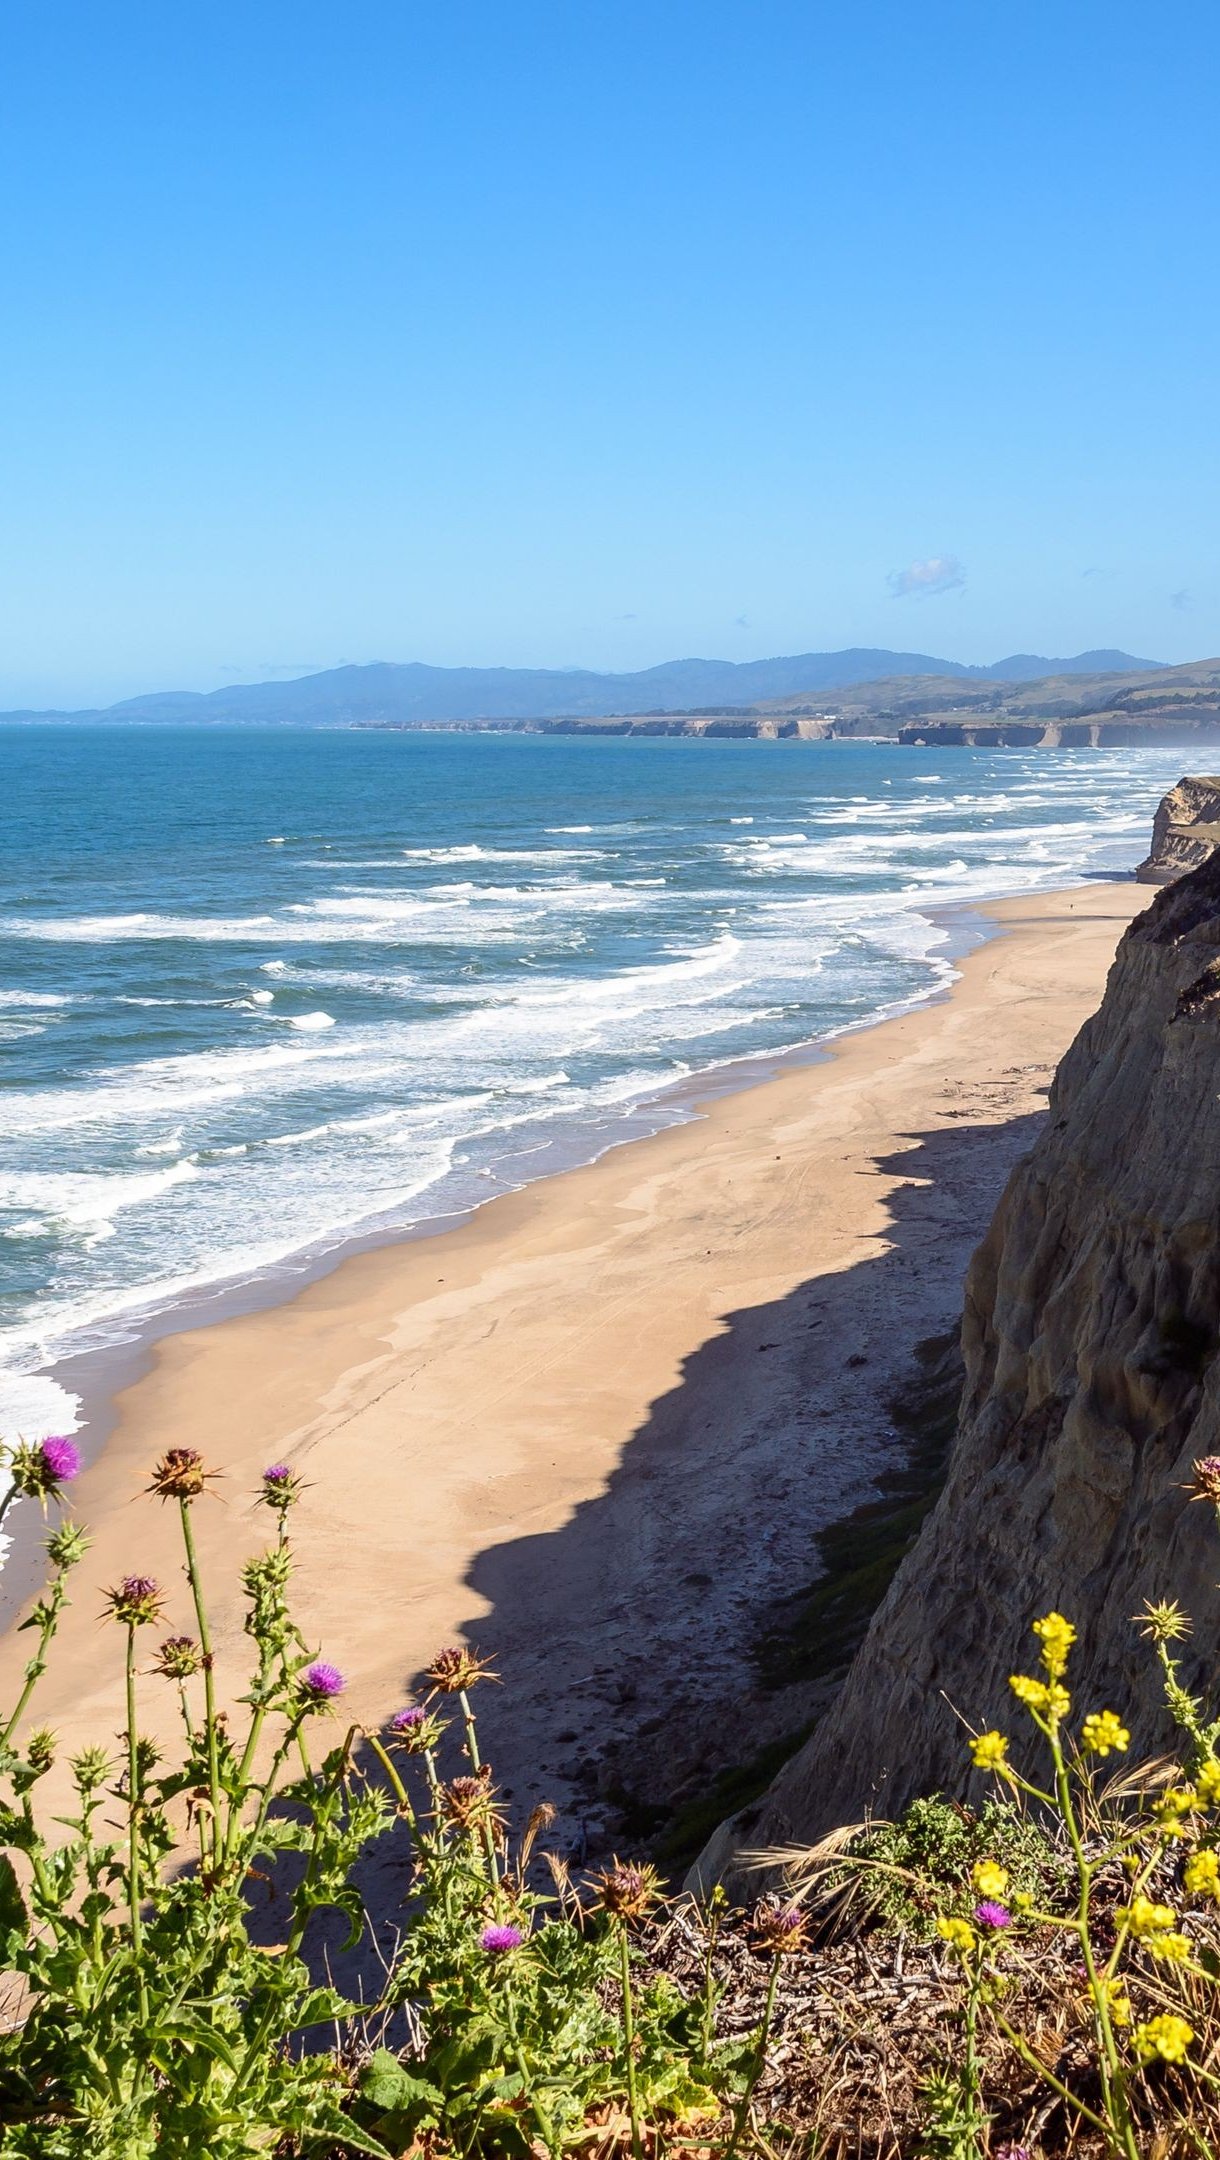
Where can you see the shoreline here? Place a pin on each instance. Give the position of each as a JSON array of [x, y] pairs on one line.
[[551, 1428], [95, 1373]]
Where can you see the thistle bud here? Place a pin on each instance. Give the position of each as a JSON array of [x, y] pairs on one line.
[[40, 1750], [1207, 1479], [178, 1657], [179, 1475], [416, 1730], [778, 1928], [1164, 1622], [627, 1892], [280, 1488], [66, 1546], [452, 1671], [90, 1769], [469, 1803], [137, 1601]]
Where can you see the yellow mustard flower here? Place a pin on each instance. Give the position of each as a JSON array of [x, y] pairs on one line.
[[1163, 2039], [1056, 1636], [1144, 1918], [1103, 1733], [1117, 2001], [990, 1880], [1173, 1946], [1169, 1809], [1047, 1697], [1207, 1784], [989, 1750], [959, 1935], [1202, 1877]]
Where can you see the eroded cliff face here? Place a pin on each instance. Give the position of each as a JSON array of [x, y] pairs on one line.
[[1092, 1382], [1185, 830]]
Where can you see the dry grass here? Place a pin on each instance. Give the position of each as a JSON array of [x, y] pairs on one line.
[[864, 2018]]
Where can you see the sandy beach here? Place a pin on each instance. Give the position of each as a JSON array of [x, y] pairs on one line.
[[594, 1429]]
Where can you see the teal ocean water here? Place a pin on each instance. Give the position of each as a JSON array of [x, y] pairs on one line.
[[263, 990]]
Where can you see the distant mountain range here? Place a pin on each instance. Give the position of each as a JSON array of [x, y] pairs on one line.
[[413, 694]]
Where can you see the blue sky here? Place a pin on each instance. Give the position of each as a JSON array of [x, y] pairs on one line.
[[591, 333]]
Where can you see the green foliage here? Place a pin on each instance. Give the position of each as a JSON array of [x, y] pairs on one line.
[[918, 1868], [954, 2123], [157, 2027]]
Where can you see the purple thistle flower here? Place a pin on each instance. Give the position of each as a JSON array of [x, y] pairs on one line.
[[497, 1940], [322, 1681], [991, 1915], [61, 1459], [281, 1488], [407, 1720]]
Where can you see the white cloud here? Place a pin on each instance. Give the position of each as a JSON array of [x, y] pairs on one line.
[[920, 580]]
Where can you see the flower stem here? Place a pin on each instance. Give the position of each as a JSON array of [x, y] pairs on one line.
[[133, 1826], [758, 2059], [476, 1764], [633, 2098], [1035, 2063], [209, 1684], [38, 1663], [399, 1790], [711, 1933], [1113, 2083]]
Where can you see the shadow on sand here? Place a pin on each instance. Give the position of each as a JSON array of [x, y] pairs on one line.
[[664, 1649]]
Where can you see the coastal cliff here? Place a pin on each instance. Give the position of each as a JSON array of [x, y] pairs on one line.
[[1090, 1333], [1185, 830]]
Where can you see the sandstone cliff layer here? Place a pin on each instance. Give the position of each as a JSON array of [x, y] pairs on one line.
[[1090, 1338], [1185, 830]]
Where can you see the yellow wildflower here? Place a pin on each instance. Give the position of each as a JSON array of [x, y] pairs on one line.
[[1022, 1902], [1144, 1918], [989, 1750], [1103, 1733], [1173, 1946], [1117, 2001], [989, 1880], [1169, 1809], [1202, 1877], [958, 1934], [1207, 1784], [1163, 2039], [1056, 1636], [1047, 1697]]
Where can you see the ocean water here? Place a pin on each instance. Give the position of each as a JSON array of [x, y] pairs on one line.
[[265, 989]]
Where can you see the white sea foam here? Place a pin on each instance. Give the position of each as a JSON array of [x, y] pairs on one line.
[[486, 997], [33, 1406], [83, 1200]]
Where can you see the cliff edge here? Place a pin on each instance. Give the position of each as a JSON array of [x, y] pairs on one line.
[[1090, 1335], [1185, 830]]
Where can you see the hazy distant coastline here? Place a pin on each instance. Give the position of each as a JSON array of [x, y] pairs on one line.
[[413, 694]]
